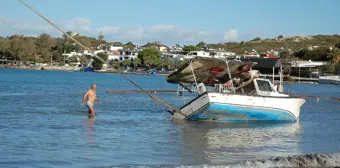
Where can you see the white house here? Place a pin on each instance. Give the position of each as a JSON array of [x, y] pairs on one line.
[[124, 55], [98, 51], [223, 54], [114, 48], [163, 48], [199, 53]]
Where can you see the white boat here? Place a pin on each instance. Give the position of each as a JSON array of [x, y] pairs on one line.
[[245, 98], [335, 80]]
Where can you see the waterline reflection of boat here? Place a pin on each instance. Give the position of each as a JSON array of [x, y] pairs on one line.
[[240, 95], [225, 143]]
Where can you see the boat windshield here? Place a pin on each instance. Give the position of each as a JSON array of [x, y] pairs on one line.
[[264, 86]]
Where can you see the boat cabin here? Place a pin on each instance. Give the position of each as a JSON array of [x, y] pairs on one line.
[[258, 86]]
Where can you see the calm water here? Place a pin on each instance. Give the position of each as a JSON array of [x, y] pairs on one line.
[[43, 124]]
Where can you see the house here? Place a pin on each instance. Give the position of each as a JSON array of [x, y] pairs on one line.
[[124, 55], [163, 48], [222, 54], [199, 53], [114, 48]]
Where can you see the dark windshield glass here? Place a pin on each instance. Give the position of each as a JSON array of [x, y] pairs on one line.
[[264, 86]]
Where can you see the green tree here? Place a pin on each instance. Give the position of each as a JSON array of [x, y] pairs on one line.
[[73, 59], [98, 64], [201, 44], [40, 60], [191, 48], [158, 63], [336, 56], [116, 44], [5, 44], [319, 54], [83, 40], [149, 57], [29, 49], [16, 49], [46, 56], [169, 64], [280, 36], [136, 62], [83, 59], [57, 56], [256, 39], [126, 63], [45, 42], [95, 43], [22, 48], [178, 64], [65, 37], [337, 45], [284, 54], [129, 45], [115, 64], [101, 37], [66, 47]]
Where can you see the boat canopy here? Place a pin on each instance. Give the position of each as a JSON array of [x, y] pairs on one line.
[[210, 71]]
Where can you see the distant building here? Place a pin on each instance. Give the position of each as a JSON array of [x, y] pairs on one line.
[[124, 55], [199, 53], [306, 68], [222, 54], [163, 48]]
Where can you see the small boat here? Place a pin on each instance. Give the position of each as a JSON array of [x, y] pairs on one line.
[[332, 79], [238, 94], [88, 69]]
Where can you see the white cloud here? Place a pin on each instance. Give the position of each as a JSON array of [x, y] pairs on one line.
[[77, 24], [16, 26], [231, 35], [9, 26], [163, 33], [168, 34]]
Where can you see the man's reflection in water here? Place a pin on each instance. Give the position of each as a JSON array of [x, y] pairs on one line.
[[90, 130], [90, 133]]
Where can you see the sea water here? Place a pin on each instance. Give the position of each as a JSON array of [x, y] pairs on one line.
[[44, 124]]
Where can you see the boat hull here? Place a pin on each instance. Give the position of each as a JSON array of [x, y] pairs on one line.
[[237, 113], [219, 107]]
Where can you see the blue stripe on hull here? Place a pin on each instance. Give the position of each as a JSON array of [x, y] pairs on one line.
[[232, 113]]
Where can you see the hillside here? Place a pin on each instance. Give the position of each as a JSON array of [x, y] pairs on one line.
[[294, 43]]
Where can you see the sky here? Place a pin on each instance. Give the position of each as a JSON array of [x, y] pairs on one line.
[[173, 21]]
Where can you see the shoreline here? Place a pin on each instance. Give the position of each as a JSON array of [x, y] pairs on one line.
[[71, 69]]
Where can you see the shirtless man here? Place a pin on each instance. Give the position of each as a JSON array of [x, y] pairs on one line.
[[91, 98]]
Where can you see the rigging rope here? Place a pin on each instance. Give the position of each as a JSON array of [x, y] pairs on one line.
[[91, 51]]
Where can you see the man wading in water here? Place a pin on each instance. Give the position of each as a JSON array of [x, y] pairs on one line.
[[91, 98]]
